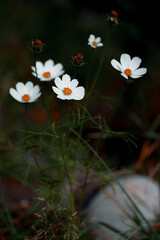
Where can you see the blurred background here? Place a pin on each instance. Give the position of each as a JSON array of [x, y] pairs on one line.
[[64, 26]]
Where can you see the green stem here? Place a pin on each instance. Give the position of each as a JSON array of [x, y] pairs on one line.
[[25, 115], [118, 102], [100, 63], [96, 77], [45, 104]]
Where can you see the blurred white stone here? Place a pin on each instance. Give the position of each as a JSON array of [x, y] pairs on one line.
[[110, 204]]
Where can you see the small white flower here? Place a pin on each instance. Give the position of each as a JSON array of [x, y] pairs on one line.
[[47, 71], [94, 41], [25, 93], [129, 67], [67, 89]]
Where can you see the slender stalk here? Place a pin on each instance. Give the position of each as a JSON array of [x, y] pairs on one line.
[[25, 115], [100, 63], [45, 104], [96, 76], [118, 102]]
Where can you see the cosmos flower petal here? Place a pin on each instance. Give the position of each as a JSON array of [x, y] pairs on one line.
[[39, 65], [35, 90], [28, 87], [139, 71], [49, 63], [124, 75], [20, 87], [74, 83], [66, 80], [91, 38], [33, 68], [57, 90], [59, 83], [98, 39], [125, 60], [79, 93], [57, 70], [15, 94], [99, 44], [135, 63], [34, 98], [116, 65]]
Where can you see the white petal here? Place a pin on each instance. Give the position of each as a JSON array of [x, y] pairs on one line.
[[99, 44], [49, 64], [125, 60], [35, 97], [139, 71], [124, 75], [57, 90], [116, 65], [15, 94], [28, 87], [135, 63], [39, 65], [74, 83], [35, 90], [57, 70], [136, 76], [97, 39], [62, 96], [79, 93], [59, 83], [33, 68], [20, 87], [66, 80], [34, 74], [91, 38]]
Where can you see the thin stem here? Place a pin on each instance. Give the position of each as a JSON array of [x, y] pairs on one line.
[[25, 115], [118, 102], [100, 63], [96, 76], [45, 104]]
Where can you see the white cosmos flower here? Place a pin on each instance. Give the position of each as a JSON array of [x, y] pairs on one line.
[[94, 41], [25, 93], [48, 70], [129, 67], [67, 89]]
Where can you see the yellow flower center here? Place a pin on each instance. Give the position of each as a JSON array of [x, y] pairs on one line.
[[67, 91], [128, 72], [94, 43], [25, 97], [46, 74]]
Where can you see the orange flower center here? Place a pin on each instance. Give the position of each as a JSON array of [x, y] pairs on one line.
[[94, 43], [46, 74], [25, 97], [67, 91], [128, 72]]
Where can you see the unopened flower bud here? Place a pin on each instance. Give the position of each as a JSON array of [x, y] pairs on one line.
[[113, 17], [37, 46], [77, 60]]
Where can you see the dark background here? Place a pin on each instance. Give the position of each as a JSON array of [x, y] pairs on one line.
[[65, 26]]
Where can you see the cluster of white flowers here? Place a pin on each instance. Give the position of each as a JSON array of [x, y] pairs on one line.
[[67, 88]]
